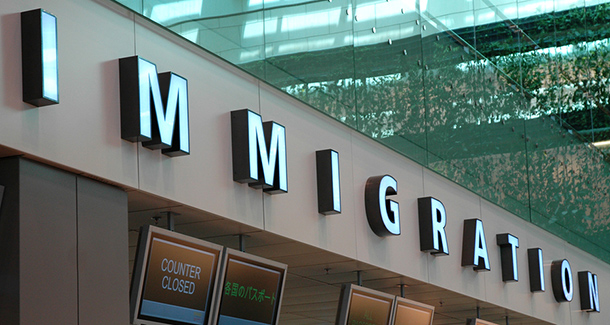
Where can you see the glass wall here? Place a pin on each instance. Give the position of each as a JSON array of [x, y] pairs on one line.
[[508, 98]]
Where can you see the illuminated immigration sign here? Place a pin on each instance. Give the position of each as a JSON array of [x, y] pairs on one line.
[[257, 159], [155, 111]]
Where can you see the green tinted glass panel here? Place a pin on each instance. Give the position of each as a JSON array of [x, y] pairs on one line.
[[508, 98], [388, 75]]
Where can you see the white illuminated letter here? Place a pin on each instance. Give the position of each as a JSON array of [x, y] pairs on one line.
[[589, 291], [508, 255], [177, 102], [334, 158], [438, 226], [541, 270], [253, 142], [269, 159], [169, 92], [432, 222], [566, 280], [39, 68], [536, 269], [480, 247], [393, 226], [561, 278], [474, 247], [49, 57], [383, 214], [329, 187]]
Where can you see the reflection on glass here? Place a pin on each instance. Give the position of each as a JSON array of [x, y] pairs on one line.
[[501, 96]]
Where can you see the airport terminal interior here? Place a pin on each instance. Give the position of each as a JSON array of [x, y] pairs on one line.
[[500, 109], [461, 87]]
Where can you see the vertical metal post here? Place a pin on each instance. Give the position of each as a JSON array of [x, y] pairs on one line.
[[170, 219], [359, 275], [402, 290], [507, 323], [478, 312], [242, 243]]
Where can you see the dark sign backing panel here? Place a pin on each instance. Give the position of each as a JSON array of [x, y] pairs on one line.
[[174, 278], [409, 312], [250, 291], [1, 195], [363, 306]]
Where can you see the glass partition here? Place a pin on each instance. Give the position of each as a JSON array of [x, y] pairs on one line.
[[508, 98]]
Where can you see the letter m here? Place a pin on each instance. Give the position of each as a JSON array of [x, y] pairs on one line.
[[146, 97], [259, 152]]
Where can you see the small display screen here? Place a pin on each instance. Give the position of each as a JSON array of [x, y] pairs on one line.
[[178, 282], [412, 315], [368, 309], [250, 293]]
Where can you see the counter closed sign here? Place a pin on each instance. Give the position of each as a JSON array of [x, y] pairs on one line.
[[177, 281]]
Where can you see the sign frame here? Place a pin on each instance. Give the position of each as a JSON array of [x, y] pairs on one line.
[[413, 304], [140, 270], [251, 259], [345, 301]]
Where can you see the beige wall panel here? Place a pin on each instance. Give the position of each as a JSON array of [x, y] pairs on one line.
[[396, 253], [204, 179], [447, 271], [295, 214], [83, 130]]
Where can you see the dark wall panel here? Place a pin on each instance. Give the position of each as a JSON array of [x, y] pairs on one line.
[[103, 261], [48, 264], [9, 242], [63, 248]]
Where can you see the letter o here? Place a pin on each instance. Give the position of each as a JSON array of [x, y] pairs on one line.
[[561, 279]]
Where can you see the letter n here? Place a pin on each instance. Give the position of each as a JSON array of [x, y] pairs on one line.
[[259, 152], [148, 96], [589, 291]]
